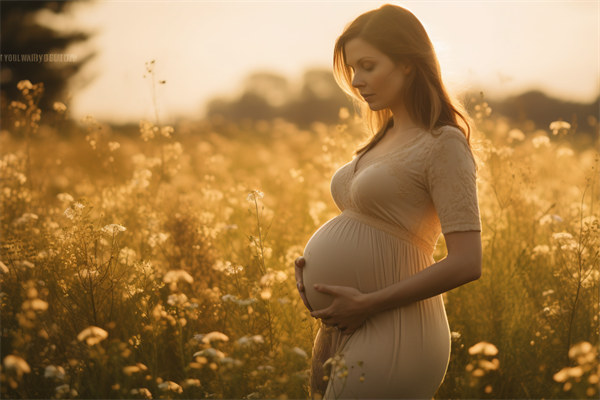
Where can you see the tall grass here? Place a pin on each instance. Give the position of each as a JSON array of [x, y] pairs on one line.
[[162, 265]]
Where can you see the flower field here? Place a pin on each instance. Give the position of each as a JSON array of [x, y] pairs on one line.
[[161, 264]]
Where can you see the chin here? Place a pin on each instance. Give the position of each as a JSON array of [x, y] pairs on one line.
[[375, 107]]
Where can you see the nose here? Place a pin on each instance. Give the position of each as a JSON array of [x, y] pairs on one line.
[[356, 81]]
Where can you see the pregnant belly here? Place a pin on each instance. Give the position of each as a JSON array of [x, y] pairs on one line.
[[336, 255]]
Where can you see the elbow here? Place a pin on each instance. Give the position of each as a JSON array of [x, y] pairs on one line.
[[476, 270], [477, 274], [473, 267], [477, 263], [470, 272]]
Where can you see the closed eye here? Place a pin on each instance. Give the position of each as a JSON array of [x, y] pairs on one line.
[[368, 69]]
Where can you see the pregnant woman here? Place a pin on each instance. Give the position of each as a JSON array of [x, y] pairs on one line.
[[369, 274]]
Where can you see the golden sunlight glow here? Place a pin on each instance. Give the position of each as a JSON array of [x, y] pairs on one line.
[[203, 49]]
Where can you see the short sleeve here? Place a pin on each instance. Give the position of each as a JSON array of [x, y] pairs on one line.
[[451, 180]]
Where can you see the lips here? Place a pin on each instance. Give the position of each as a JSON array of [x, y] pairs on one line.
[[365, 95]]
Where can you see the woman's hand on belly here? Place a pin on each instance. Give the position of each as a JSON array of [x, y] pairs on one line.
[[347, 312], [299, 281]]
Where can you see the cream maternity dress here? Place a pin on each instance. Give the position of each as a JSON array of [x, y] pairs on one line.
[[393, 209]]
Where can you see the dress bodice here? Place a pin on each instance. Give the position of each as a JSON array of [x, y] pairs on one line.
[[426, 186]]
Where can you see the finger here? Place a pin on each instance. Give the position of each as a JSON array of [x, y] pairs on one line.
[[299, 283], [324, 288], [346, 329], [323, 313], [298, 273], [305, 301]]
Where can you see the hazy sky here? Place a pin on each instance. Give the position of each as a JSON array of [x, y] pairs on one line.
[[206, 48]]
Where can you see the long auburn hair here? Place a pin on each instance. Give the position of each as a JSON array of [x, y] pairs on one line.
[[396, 32]]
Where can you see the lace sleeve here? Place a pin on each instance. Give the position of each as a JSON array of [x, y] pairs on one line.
[[451, 182]]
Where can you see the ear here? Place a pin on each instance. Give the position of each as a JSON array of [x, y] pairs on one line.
[[405, 67]]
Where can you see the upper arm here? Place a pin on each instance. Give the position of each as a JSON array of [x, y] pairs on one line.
[[452, 186]]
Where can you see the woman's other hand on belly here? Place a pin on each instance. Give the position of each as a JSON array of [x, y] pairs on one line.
[[300, 262], [347, 312]]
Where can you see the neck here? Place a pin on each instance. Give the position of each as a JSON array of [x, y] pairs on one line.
[[402, 121]]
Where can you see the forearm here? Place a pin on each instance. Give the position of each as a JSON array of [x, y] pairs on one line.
[[438, 278]]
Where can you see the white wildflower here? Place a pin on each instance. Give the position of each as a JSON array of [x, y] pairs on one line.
[[74, 211], [92, 335], [516, 134], [54, 371], [113, 228], [170, 385], [255, 195], [144, 392], [484, 348], [565, 152], [64, 197], [35, 305], [247, 340], [24, 84], [562, 236], [272, 277], [157, 238], [16, 364], [541, 249], [227, 267], [177, 299], [127, 256], [59, 107], [230, 361], [25, 218], [300, 352], [177, 275], [191, 382], [112, 146], [541, 140], [209, 352], [88, 274], [591, 278], [25, 264], [214, 335], [560, 127], [64, 390], [166, 131], [343, 113]]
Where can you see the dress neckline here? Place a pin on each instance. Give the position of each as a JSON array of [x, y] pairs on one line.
[[407, 145]]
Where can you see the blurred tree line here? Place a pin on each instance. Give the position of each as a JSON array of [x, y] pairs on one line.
[[267, 95], [26, 28]]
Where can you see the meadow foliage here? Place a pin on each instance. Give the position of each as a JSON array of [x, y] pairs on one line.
[[162, 265]]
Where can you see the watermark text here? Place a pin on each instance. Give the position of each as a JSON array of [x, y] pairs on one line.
[[39, 57]]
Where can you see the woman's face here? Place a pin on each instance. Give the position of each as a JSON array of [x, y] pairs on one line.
[[375, 74]]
